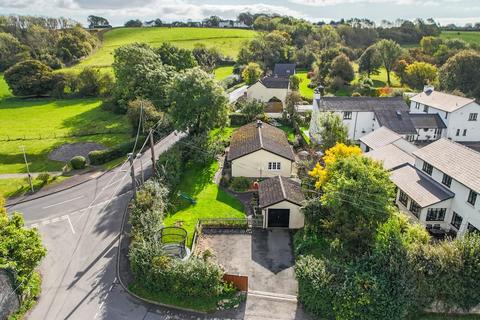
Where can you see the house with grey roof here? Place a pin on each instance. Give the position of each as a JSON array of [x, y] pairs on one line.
[[280, 200], [441, 115], [440, 190], [273, 89], [363, 115], [259, 150]]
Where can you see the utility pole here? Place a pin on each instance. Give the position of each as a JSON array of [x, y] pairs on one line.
[[28, 170], [139, 157], [152, 145], [132, 174]]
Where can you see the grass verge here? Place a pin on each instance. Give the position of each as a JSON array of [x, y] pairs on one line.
[[20, 186]]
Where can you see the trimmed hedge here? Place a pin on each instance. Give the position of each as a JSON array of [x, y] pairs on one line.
[[78, 162], [98, 157]]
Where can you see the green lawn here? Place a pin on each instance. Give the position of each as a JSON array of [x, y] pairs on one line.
[[380, 79], [228, 41], [223, 72], [467, 36], [4, 89], [212, 202], [289, 132], [305, 91], [17, 187], [45, 122]]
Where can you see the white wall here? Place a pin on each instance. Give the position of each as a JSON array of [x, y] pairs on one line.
[[459, 204], [260, 92], [255, 165], [423, 135], [297, 220]]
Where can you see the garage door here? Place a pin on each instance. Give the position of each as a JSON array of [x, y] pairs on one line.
[[278, 218]]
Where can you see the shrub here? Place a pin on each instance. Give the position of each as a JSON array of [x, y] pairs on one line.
[[29, 78], [170, 166], [44, 177], [98, 157], [240, 183], [78, 162], [238, 119]]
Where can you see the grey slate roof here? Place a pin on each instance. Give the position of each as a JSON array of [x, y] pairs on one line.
[[284, 69], [456, 160], [278, 189], [380, 137], [427, 121], [398, 121], [371, 104], [421, 188], [391, 156], [274, 82], [249, 138]]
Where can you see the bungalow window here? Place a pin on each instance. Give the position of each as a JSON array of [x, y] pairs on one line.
[[456, 220], [403, 198], [428, 168], [472, 229], [417, 105], [274, 166], [472, 197], [347, 115], [472, 117], [464, 132], [458, 132], [415, 208], [436, 214], [447, 180], [425, 109]]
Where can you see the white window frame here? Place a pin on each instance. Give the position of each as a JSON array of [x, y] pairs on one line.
[[274, 166]]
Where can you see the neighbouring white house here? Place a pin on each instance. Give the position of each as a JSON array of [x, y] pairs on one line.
[[441, 188], [280, 200], [442, 115], [389, 148], [273, 89], [259, 150], [363, 115], [232, 24]]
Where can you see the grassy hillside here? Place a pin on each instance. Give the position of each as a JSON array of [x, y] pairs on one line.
[[42, 124], [468, 36], [228, 41], [4, 89]]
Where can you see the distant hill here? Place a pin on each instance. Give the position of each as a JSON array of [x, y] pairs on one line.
[[228, 41]]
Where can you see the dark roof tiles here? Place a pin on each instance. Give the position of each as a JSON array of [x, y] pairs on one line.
[[278, 189]]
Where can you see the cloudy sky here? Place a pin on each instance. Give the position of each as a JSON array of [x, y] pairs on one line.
[[118, 11]]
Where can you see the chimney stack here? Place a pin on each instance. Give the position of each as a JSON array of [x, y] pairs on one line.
[[259, 123], [317, 93], [428, 89]]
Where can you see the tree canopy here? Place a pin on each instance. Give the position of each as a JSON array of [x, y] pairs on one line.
[[460, 73], [30, 77], [389, 51]]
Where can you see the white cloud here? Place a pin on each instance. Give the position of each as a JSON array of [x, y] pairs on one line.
[[324, 3]]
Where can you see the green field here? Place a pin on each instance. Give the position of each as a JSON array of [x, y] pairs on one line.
[[305, 91], [467, 36], [40, 125], [4, 89], [228, 41], [223, 72]]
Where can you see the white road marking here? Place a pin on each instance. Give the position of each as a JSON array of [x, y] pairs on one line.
[[46, 222], [57, 204], [35, 225], [55, 219], [70, 223]]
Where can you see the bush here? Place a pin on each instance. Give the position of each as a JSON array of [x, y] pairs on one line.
[[44, 177], [98, 157], [240, 184], [238, 119], [78, 162], [170, 166], [30, 78]]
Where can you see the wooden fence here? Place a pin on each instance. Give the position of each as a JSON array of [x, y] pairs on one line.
[[240, 282]]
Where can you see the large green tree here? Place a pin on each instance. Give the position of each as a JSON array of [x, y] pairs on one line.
[[252, 109], [389, 51], [30, 78], [342, 68], [369, 62], [180, 58], [332, 130], [140, 74], [460, 72], [11, 51], [207, 58], [198, 102], [419, 74], [252, 73]]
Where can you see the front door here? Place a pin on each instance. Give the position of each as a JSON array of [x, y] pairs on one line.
[[278, 218]]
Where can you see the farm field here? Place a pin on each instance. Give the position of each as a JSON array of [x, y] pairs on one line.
[[40, 125], [467, 36], [228, 41]]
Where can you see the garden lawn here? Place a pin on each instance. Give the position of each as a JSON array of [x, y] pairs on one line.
[[467, 36], [380, 79], [288, 131], [228, 41], [211, 201], [20, 186], [4, 89], [40, 125], [223, 72], [305, 91]]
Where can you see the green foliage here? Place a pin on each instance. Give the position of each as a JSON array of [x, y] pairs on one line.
[[252, 73], [294, 83], [133, 23], [250, 110], [369, 62], [11, 51], [290, 113], [91, 82], [419, 74], [207, 58], [98, 157], [150, 116], [78, 162], [389, 51], [21, 251], [198, 103], [459, 73], [170, 166], [240, 184], [29, 78], [75, 43], [342, 68], [140, 74], [179, 58], [44, 177], [332, 130]]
